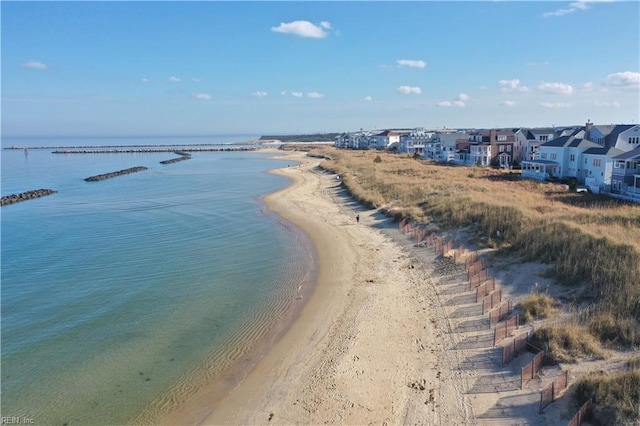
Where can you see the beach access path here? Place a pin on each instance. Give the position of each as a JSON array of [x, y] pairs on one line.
[[370, 344]]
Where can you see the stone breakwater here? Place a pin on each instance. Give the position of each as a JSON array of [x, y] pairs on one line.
[[104, 176], [183, 156], [23, 196], [145, 151]]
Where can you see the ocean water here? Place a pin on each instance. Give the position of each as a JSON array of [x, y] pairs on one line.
[[123, 297]]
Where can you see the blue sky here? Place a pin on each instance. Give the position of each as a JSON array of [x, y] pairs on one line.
[[202, 68]]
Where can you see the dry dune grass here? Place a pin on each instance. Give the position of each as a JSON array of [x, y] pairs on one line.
[[585, 238]]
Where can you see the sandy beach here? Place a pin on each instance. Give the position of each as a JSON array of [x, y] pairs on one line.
[[390, 334]]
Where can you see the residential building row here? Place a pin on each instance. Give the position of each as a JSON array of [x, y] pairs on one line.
[[604, 158]]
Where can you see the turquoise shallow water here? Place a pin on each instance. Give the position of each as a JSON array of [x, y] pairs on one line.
[[121, 298]]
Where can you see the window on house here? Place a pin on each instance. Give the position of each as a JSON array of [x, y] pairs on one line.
[[553, 156], [597, 162], [502, 137], [508, 148], [572, 157], [544, 156], [501, 148], [543, 138]]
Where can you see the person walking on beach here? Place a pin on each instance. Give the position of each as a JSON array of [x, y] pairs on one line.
[[357, 218]]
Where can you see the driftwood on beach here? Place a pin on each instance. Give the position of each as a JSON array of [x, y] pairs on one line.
[[23, 196], [104, 176]]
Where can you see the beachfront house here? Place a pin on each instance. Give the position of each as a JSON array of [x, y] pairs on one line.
[[384, 140], [559, 158], [505, 143], [354, 140], [625, 137], [415, 141], [528, 141], [625, 178], [442, 146], [598, 167]]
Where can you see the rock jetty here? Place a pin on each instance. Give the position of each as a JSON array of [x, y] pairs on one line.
[[104, 176], [23, 196], [146, 151], [183, 156]]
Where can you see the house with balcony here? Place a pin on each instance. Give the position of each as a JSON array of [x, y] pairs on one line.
[[528, 141], [625, 177], [415, 141], [442, 146], [559, 158], [384, 140], [355, 140], [597, 168]]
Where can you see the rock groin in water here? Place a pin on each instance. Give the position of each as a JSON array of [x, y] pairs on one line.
[[183, 156], [23, 196], [104, 176]]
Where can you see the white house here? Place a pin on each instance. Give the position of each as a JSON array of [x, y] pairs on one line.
[[384, 139], [480, 154], [415, 141], [561, 157], [442, 146], [598, 167], [625, 137]]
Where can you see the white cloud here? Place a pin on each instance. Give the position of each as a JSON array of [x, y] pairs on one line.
[[283, 93], [555, 105], [203, 96], [35, 65], [259, 94], [587, 87], [411, 63], [623, 79], [368, 98], [174, 79], [297, 94], [144, 80], [449, 104], [458, 102], [508, 103], [315, 95], [303, 29], [512, 86], [574, 7], [195, 80], [408, 90], [613, 104], [560, 88]]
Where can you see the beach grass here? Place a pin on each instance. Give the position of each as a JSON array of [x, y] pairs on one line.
[[537, 306], [587, 240], [616, 396]]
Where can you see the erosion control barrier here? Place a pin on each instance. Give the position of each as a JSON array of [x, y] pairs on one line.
[[511, 350], [529, 371], [581, 415], [554, 389], [505, 329]]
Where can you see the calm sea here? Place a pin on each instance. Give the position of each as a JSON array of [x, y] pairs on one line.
[[121, 298]]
